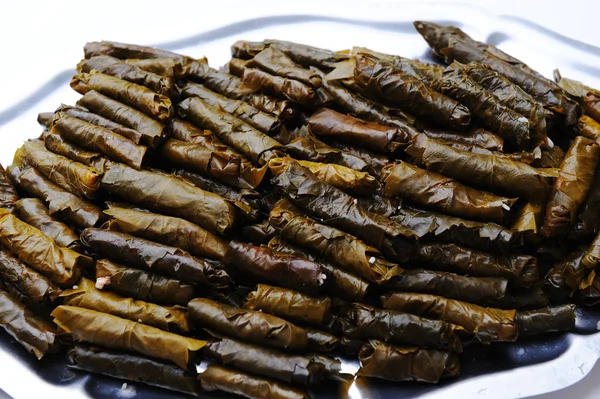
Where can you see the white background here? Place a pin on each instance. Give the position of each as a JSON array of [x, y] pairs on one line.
[[40, 39]]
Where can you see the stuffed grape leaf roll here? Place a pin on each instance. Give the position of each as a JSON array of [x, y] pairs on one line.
[[434, 226], [289, 304], [381, 360], [540, 321], [95, 119], [40, 252], [8, 194], [479, 170], [344, 285], [133, 368], [98, 139], [75, 177], [284, 270], [34, 285], [152, 131], [266, 123], [383, 80], [36, 335], [329, 243], [34, 212], [251, 142], [363, 321], [246, 325], [329, 123], [155, 105], [326, 202], [486, 324], [96, 328], [86, 295], [60, 202], [485, 291], [454, 44], [170, 195], [218, 378], [444, 194], [167, 230], [131, 73], [571, 187], [150, 256], [143, 285]]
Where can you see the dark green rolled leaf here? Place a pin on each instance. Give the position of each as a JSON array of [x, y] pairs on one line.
[[246, 325], [290, 305], [247, 200], [38, 251], [73, 176], [229, 86], [218, 378], [258, 233], [34, 212], [522, 270], [36, 335], [95, 119], [167, 230], [98, 139], [363, 321], [27, 281], [329, 123], [485, 291], [168, 67], [545, 320], [345, 250], [86, 295], [326, 202], [454, 44], [152, 130], [60, 202], [104, 330], [304, 145], [473, 138], [352, 103], [502, 120], [155, 105], [512, 96], [272, 363], [435, 191], [172, 196], [440, 227], [565, 277], [344, 285], [572, 186], [380, 360], [587, 223], [488, 172], [150, 256], [131, 73], [383, 80], [205, 153], [277, 63], [60, 146], [143, 285], [258, 119], [8, 194], [264, 264], [133, 368], [300, 53], [251, 142], [486, 324]]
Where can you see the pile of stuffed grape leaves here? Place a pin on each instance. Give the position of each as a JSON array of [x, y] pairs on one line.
[[249, 228]]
